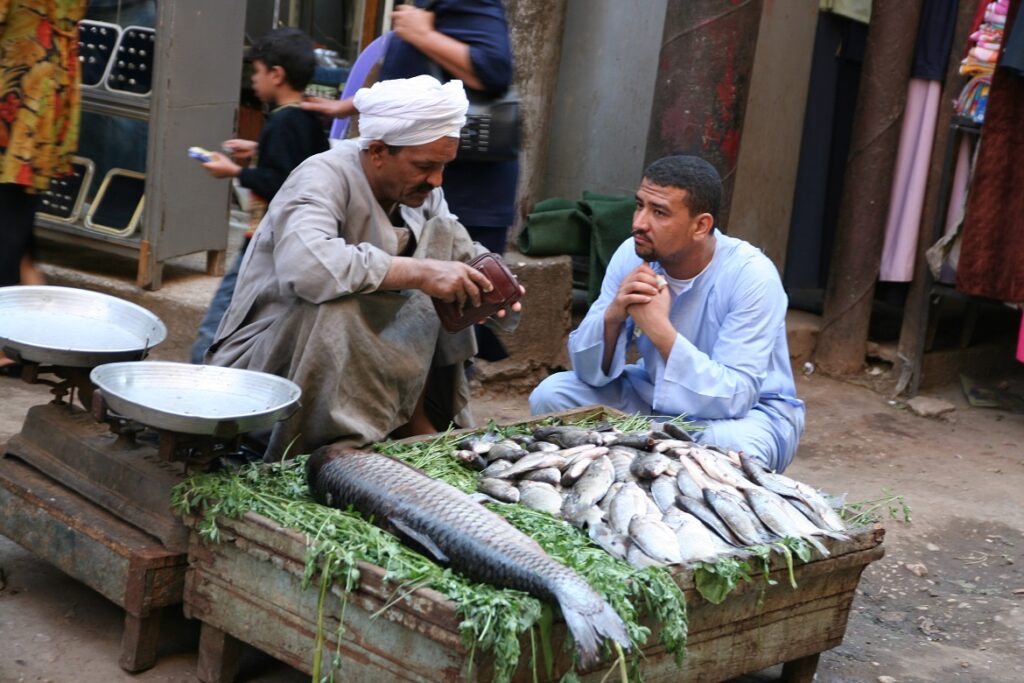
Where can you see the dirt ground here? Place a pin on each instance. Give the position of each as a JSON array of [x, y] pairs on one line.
[[957, 612]]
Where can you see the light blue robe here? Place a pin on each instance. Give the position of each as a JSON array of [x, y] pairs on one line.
[[728, 369]]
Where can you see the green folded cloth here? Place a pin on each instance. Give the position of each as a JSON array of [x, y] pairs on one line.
[[556, 226], [611, 220]]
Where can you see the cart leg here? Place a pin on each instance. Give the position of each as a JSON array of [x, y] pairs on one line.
[[215, 263], [800, 670], [138, 642], [219, 655]]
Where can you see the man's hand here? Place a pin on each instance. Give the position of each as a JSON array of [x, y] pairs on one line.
[[241, 150], [222, 167], [446, 280], [652, 318], [412, 24], [639, 287]]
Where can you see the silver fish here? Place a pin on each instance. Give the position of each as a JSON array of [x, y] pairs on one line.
[[567, 437], [664, 491], [548, 475], [718, 469], [734, 516], [533, 461], [590, 488], [606, 502], [538, 496], [687, 486], [585, 518], [475, 443], [581, 463], [499, 488], [495, 468], [639, 441], [471, 459], [589, 453], [474, 540], [639, 559], [613, 543], [820, 505], [699, 509], [669, 444], [537, 446], [697, 543], [675, 431], [656, 539], [770, 511], [621, 460], [649, 466], [629, 502], [506, 450]]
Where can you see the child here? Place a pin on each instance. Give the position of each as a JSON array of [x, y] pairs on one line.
[[283, 62]]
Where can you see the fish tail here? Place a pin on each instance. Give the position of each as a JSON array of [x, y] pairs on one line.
[[590, 620], [818, 545]]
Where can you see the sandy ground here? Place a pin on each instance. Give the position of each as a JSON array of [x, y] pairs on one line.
[[962, 619]]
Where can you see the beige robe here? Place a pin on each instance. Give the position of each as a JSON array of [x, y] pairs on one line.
[[307, 306]]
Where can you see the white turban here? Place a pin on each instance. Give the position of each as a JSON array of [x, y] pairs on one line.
[[410, 111]]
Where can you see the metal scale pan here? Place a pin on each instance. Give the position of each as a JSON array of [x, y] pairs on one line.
[[74, 328], [196, 399]]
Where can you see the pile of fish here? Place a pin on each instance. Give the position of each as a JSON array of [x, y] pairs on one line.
[[653, 497]]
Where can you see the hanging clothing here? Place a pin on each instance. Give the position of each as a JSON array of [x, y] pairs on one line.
[[906, 200], [992, 254], [39, 89]]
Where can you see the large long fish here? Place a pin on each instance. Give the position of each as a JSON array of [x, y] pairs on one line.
[[452, 527]]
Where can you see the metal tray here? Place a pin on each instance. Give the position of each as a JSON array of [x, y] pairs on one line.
[[196, 399], [75, 327]]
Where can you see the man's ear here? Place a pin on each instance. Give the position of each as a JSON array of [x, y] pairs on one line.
[[376, 150], [705, 225]]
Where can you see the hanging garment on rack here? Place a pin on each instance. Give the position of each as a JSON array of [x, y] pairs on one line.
[[992, 255], [907, 197]]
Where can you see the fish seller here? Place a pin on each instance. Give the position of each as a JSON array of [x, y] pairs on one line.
[[707, 315], [335, 290]]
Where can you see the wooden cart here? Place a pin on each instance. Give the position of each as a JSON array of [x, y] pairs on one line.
[[247, 588]]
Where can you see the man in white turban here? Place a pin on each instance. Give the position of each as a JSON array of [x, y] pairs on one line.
[[334, 292]]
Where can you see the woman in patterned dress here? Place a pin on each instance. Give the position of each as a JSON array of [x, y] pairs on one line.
[[39, 113]]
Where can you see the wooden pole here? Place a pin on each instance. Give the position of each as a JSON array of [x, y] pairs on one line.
[[371, 27], [860, 233]]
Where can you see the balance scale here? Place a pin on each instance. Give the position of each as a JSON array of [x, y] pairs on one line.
[[89, 490]]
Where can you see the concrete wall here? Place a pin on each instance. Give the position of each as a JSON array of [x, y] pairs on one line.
[[762, 200], [603, 100], [536, 30]]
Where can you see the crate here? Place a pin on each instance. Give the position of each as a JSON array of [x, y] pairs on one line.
[[247, 588]]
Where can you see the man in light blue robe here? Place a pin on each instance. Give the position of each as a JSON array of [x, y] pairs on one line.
[[707, 315]]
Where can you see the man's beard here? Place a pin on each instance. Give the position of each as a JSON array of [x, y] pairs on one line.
[[646, 252]]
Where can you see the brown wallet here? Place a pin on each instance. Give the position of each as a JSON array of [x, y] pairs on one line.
[[505, 293]]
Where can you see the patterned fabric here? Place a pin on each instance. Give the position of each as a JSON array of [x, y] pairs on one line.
[[39, 93]]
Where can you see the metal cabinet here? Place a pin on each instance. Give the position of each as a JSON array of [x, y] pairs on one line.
[[194, 101]]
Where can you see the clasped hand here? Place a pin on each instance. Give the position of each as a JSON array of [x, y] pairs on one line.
[[642, 298]]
